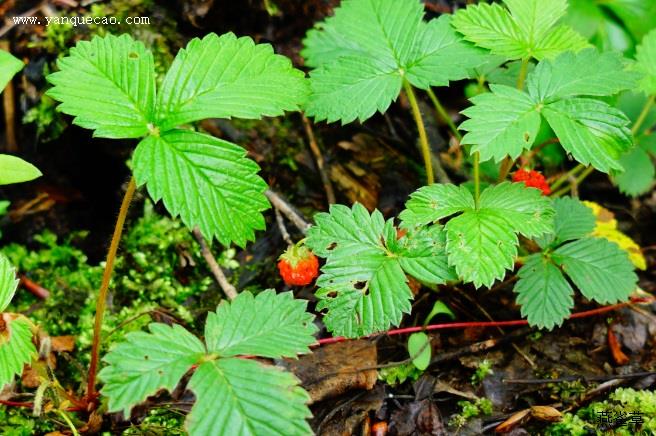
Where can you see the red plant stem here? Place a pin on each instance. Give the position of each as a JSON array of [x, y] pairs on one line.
[[34, 288], [483, 324]]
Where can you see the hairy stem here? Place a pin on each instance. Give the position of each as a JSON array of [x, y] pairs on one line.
[[477, 178], [443, 114], [522, 74], [423, 138], [101, 304], [643, 114], [576, 182]]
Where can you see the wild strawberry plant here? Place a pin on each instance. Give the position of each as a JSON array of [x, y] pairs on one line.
[[461, 232]]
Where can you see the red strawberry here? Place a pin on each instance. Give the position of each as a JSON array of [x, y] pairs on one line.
[[298, 266], [532, 179]]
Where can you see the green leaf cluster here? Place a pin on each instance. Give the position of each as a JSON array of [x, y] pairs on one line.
[[482, 239], [563, 92], [234, 395], [16, 347], [523, 29], [598, 268], [108, 85], [364, 283], [365, 53]]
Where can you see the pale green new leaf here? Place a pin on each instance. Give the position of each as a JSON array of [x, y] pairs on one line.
[[266, 325], [527, 29], [146, 363], [246, 398], [599, 268], [587, 73], [8, 282], [15, 170], [108, 85], [419, 349], [364, 52], [591, 130], [646, 62], [363, 284], [502, 123], [434, 202], [209, 182], [16, 349], [640, 175], [9, 66], [225, 76], [543, 292]]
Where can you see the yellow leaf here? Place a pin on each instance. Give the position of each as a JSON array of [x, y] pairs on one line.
[[607, 228]]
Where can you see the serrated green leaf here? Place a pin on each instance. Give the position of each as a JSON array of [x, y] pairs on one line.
[[587, 73], [9, 66], [508, 75], [363, 284], [225, 76], [15, 170], [267, 325], [591, 130], [640, 175], [419, 348], [365, 51], [434, 202], [527, 211], [481, 245], [146, 363], [543, 292], [16, 349], [209, 182], [502, 123], [524, 30], [646, 62], [573, 220], [108, 85], [422, 254], [244, 397], [8, 282], [599, 268]]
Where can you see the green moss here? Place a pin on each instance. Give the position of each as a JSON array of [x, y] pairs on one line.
[[396, 375], [49, 122], [469, 410], [18, 421], [160, 421]]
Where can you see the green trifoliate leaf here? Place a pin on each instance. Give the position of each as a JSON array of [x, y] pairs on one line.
[[146, 363], [482, 243], [527, 29], [646, 62], [207, 181], [108, 85], [267, 325], [588, 73], [364, 52], [225, 76], [363, 283], [15, 170], [543, 292], [592, 131], [9, 66], [639, 177], [16, 347], [419, 348], [244, 397], [599, 268], [502, 123], [573, 220], [8, 282]]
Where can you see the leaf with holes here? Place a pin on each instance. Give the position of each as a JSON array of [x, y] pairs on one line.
[[108, 85], [233, 394], [524, 29], [363, 284], [363, 54], [209, 182]]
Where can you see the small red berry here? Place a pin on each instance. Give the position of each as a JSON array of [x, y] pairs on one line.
[[532, 179], [298, 266]]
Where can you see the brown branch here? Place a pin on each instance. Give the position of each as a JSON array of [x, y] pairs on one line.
[[288, 210], [228, 289], [10, 115], [318, 157]]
